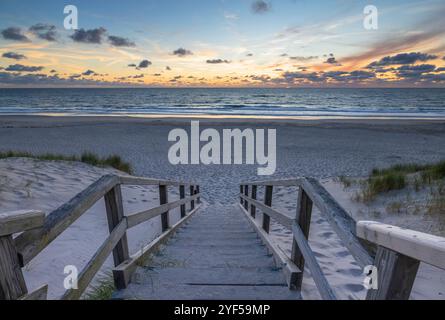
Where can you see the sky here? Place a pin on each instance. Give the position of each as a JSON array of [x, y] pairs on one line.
[[223, 43]]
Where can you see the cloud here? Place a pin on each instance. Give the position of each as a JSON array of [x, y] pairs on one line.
[[249, 55], [181, 52], [168, 68], [331, 60], [217, 61], [302, 59], [22, 68], [260, 7], [132, 65], [408, 71], [144, 64], [15, 34], [44, 31], [93, 36], [120, 42], [13, 55], [402, 58], [88, 73]]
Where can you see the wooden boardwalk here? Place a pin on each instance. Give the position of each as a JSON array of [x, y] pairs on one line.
[[217, 255]]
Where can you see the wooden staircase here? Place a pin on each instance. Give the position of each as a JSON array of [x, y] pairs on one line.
[[216, 255]]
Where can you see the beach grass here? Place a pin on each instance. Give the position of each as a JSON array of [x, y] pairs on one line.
[[103, 290], [113, 161]]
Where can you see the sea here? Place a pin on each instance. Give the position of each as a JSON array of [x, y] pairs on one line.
[[295, 102]]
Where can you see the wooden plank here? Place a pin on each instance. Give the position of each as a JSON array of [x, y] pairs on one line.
[[241, 191], [338, 218], [115, 214], [289, 268], [31, 242], [40, 293], [89, 271], [395, 277], [198, 200], [418, 245], [320, 280], [192, 192], [267, 202], [278, 216], [182, 196], [19, 221], [246, 193], [253, 197], [12, 283], [303, 219], [127, 268], [163, 199], [138, 218]]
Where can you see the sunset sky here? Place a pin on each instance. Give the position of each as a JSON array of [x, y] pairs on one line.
[[222, 43]]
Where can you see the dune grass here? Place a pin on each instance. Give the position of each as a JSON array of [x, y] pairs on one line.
[[113, 161], [103, 290]]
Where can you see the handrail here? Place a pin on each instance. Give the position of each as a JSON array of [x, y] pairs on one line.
[[39, 231], [310, 192]]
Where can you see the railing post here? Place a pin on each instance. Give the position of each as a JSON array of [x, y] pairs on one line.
[[303, 219], [182, 196], [192, 203], [241, 191], [198, 200], [268, 202], [12, 283], [163, 199], [115, 214], [395, 277], [253, 196], [246, 193]]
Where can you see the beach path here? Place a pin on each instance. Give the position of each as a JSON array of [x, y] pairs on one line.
[[217, 255]]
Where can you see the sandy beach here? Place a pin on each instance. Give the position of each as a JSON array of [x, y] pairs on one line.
[[323, 149]]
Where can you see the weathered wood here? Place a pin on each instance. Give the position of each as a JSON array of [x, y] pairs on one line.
[[163, 199], [182, 196], [268, 202], [19, 221], [278, 216], [246, 193], [40, 293], [125, 270], [89, 271], [253, 197], [12, 283], [275, 183], [31, 242], [115, 214], [320, 280], [420, 246], [192, 192], [303, 219], [289, 268], [140, 217], [395, 277], [338, 218], [241, 192]]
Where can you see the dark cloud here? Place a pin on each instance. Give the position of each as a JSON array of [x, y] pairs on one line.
[[132, 65], [181, 52], [53, 71], [260, 6], [249, 55], [440, 69], [44, 31], [22, 68], [217, 61], [301, 58], [139, 76], [283, 55], [408, 71], [94, 36], [15, 34], [88, 73], [157, 75], [168, 68], [144, 64], [13, 55], [120, 42], [331, 60], [402, 58]]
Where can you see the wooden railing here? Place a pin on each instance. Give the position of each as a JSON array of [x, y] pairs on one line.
[[38, 231], [398, 252]]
